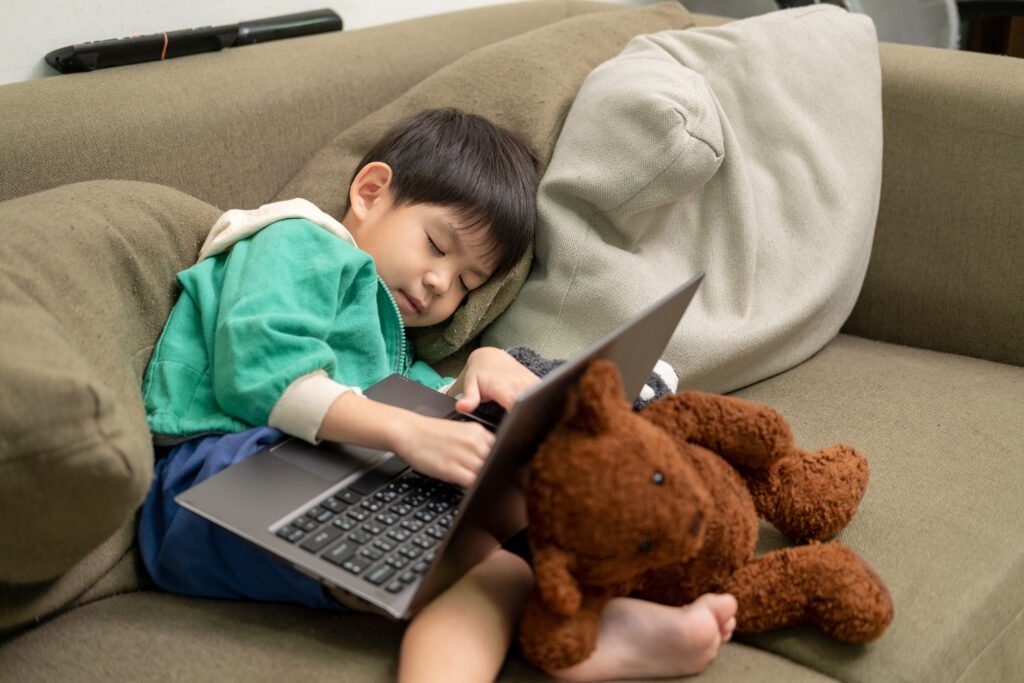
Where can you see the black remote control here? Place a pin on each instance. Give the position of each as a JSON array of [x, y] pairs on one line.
[[159, 46]]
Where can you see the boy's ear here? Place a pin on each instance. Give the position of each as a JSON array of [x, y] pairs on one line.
[[368, 186]]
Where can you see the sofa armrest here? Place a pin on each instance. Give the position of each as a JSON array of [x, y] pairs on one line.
[[947, 266]]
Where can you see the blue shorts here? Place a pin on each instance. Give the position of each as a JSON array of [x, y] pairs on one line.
[[186, 554]]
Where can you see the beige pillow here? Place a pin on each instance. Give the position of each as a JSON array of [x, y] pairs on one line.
[[86, 283], [526, 83], [751, 151]]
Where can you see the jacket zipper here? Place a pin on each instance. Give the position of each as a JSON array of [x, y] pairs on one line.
[[400, 360]]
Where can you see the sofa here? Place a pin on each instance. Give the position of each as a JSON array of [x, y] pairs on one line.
[[109, 179]]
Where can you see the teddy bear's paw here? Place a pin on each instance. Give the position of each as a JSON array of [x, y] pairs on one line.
[[854, 604], [824, 584], [811, 496], [551, 641]]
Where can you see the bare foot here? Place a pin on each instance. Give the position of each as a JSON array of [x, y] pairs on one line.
[[640, 639]]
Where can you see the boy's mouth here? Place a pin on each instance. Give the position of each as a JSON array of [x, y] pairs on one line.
[[409, 303]]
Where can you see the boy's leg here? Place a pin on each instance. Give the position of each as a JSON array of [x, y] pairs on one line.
[[464, 634]]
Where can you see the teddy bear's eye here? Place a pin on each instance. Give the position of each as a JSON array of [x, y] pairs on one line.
[[645, 545], [658, 478]]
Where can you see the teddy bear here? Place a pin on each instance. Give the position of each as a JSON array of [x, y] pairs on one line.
[[663, 504]]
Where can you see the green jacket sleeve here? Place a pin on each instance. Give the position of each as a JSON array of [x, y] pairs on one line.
[[279, 309]]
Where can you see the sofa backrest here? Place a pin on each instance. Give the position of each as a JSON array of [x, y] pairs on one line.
[[232, 127]]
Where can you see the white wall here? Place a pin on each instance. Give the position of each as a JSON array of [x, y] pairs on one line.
[[28, 30]]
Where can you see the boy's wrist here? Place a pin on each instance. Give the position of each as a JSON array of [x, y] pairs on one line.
[[401, 431]]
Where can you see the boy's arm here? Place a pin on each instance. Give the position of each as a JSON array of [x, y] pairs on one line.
[[447, 450]]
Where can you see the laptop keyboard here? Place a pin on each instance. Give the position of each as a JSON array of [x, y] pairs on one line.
[[381, 528]]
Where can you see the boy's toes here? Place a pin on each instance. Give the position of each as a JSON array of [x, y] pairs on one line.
[[722, 605]]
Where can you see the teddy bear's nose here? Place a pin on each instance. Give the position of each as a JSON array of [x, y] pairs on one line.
[[645, 545]]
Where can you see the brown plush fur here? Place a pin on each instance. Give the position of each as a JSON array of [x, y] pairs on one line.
[[663, 505]]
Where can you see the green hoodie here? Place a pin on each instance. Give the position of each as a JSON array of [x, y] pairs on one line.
[[288, 301]]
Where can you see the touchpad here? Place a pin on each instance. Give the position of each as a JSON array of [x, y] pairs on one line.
[[329, 461]]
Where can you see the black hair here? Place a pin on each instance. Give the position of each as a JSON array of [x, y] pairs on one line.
[[485, 173]]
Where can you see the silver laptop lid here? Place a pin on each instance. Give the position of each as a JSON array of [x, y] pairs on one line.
[[494, 508]]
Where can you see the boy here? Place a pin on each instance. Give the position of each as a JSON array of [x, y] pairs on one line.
[[288, 315]]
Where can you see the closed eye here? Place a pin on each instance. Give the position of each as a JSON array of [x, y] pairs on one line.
[[433, 246]]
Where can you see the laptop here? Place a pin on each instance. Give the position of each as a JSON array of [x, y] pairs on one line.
[[360, 520]]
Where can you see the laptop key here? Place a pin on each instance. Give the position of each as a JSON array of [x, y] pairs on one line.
[[386, 518], [333, 504], [384, 544], [357, 513], [374, 528], [401, 509], [290, 533], [380, 575], [425, 542], [348, 496], [411, 551], [371, 552], [356, 564], [340, 553], [398, 535], [360, 536], [345, 523], [396, 587], [319, 514], [397, 561], [318, 541]]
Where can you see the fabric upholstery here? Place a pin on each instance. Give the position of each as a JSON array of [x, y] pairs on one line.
[[945, 271], [526, 83], [749, 151], [86, 282], [943, 423], [152, 636], [231, 127], [942, 518]]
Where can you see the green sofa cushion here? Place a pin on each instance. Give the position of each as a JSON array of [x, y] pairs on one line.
[[750, 151], [86, 282], [526, 83]]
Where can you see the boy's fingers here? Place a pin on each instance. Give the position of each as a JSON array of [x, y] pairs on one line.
[[470, 400]]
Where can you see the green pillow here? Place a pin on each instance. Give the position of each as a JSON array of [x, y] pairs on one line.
[[526, 83], [86, 282]]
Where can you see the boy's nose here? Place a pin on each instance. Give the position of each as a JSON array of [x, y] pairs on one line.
[[437, 282]]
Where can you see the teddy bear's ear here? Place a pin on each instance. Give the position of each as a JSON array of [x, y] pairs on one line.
[[557, 586], [597, 399]]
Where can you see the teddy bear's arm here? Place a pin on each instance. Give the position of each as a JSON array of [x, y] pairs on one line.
[[556, 584], [745, 434]]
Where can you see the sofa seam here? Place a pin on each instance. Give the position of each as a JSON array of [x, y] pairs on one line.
[[97, 418]]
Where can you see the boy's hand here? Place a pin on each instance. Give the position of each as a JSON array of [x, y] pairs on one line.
[[491, 375], [443, 449]]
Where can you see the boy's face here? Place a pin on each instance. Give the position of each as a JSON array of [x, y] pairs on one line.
[[427, 262]]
